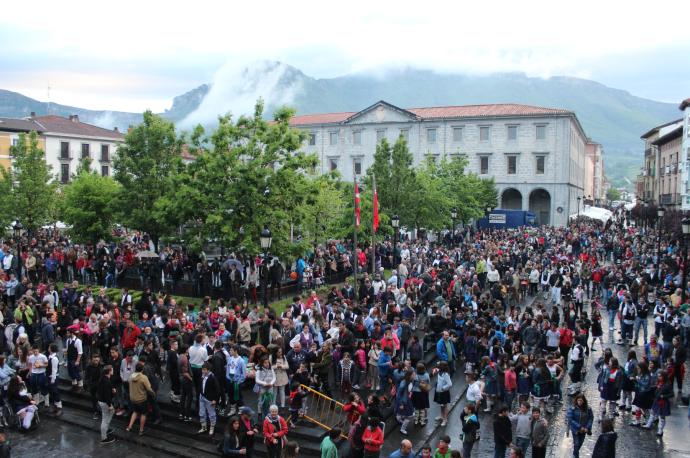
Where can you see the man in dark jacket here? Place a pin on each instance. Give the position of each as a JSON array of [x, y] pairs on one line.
[[208, 398], [503, 432], [92, 375], [171, 366], [154, 379], [218, 363], [105, 394], [248, 429]]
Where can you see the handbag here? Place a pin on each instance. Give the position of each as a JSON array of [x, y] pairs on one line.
[[425, 387]]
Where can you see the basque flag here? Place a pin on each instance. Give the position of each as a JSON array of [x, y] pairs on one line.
[[376, 210], [357, 202]]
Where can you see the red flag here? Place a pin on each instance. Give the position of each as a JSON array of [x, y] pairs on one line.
[[357, 202], [376, 210]]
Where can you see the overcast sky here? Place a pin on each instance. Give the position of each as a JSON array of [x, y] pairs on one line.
[[128, 55]]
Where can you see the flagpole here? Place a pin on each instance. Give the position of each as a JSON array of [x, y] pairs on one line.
[[373, 229], [354, 237]]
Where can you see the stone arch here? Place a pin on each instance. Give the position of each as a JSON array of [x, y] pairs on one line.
[[511, 199], [540, 205]]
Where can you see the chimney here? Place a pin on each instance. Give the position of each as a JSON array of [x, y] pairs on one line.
[[74, 118], [116, 129], [33, 114]]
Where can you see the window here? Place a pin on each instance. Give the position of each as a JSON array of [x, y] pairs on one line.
[[312, 139], [405, 134], [541, 165], [64, 173], [484, 165], [105, 170], [358, 166], [380, 135], [357, 137], [541, 132], [332, 164], [457, 134], [105, 153], [85, 150], [333, 138], [512, 133], [484, 134], [15, 141], [512, 165], [64, 150], [431, 135]]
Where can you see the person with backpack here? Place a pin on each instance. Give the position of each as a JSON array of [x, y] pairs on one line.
[[628, 313], [470, 429]]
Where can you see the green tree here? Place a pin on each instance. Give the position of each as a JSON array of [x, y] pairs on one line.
[[613, 194], [395, 178], [33, 190], [246, 174], [89, 206], [143, 167]]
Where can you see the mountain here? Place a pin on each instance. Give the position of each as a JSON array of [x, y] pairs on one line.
[[15, 105], [609, 116]]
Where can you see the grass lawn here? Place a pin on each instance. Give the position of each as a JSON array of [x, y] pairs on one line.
[[114, 295]]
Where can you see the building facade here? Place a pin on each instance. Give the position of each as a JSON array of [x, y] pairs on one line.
[[668, 147], [537, 156], [68, 141], [10, 129], [685, 155], [651, 173], [594, 174]]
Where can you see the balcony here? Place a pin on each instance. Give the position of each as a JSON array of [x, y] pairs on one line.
[[670, 199]]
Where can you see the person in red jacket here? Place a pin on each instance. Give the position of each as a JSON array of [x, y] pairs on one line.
[[129, 336], [275, 429], [372, 438], [565, 343]]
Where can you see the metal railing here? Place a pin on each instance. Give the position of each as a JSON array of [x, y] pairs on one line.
[[324, 411]]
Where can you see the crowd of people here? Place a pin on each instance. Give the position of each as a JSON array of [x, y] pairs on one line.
[[516, 312]]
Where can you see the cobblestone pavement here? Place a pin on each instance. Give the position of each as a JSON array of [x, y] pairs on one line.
[[632, 442]]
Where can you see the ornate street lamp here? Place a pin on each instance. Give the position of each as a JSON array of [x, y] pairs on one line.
[[395, 222], [453, 217], [660, 214], [578, 206], [265, 238], [17, 230]]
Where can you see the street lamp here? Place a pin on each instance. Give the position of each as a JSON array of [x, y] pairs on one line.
[[660, 213], [685, 226], [265, 239], [395, 222], [578, 206], [17, 229], [453, 217]]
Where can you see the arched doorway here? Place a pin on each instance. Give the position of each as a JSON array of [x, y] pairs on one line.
[[511, 199], [540, 205]]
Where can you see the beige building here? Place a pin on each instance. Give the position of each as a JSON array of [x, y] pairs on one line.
[[669, 147], [594, 173], [651, 171], [10, 129]]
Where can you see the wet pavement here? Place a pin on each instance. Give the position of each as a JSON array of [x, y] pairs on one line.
[[55, 438]]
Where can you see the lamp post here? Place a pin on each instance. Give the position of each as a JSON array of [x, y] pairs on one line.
[[17, 230], [660, 213], [578, 206], [453, 217], [685, 225], [266, 238], [395, 222]]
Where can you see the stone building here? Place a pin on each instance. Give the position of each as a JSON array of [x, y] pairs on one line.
[[536, 155]]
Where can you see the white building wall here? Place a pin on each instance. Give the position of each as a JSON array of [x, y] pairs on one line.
[[563, 147], [684, 161], [53, 153]]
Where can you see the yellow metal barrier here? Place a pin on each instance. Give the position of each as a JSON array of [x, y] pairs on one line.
[[325, 412]]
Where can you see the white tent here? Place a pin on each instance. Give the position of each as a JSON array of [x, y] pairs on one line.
[[599, 213]]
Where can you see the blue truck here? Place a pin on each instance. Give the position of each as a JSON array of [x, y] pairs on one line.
[[505, 219]]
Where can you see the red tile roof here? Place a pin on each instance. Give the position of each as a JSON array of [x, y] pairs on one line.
[[61, 125], [325, 118], [479, 111], [463, 111]]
